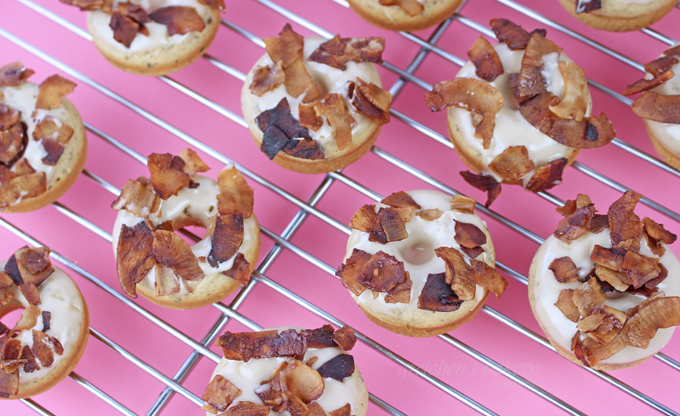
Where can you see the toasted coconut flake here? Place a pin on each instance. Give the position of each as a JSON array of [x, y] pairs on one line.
[[478, 97], [483, 183], [384, 273], [653, 283], [656, 107], [547, 176], [338, 51], [345, 338], [288, 49], [574, 225], [304, 382], [240, 270], [11, 143], [488, 278], [338, 367], [530, 81], [267, 78], [6, 296], [429, 214], [662, 312], [236, 196], [468, 235], [58, 348], [643, 84], [565, 303], [564, 269], [387, 227], [488, 65], [54, 150], [30, 292], [47, 128], [572, 205], [193, 164], [574, 103], [171, 251], [591, 322], [657, 234], [473, 252], [316, 410], [618, 280], [8, 117], [124, 28], [512, 164], [245, 408], [167, 282], [598, 223], [458, 274], [363, 219], [610, 258], [180, 20], [41, 348], [370, 100], [34, 264], [13, 74], [226, 238], [588, 296], [593, 352], [665, 62], [348, 272], [134, 256], [248, 345], [640, 269], [5, 279], [138, 198], [464, 204], [513, 35], [29, 317], [411, 7], [280, 128], [620, 316], [626, 227], [402, 204], [51, 91], [167, 174], [319, 337], [437, 295], [334, 108], [220, 393], [6, 175], [308, 117]]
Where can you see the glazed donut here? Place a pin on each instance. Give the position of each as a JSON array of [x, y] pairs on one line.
[[314, 105], [602, 285], [518, 112], [659, 103], [155, 261], [152, 37], [50, 337], [420, 263], [618, 15], [404, 15], [287, 370], [43, 145]]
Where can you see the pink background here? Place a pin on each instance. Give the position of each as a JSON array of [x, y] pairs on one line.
[[133, 387]]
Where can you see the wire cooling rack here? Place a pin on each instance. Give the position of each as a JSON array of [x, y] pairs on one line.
[[510, 369]]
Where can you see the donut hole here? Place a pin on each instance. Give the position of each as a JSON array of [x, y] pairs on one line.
[[10, 316], [189, 228], [419, 252]]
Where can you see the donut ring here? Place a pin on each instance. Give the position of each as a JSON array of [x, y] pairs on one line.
[[332, 390], [165, 38], [203, 273], [621, 16], [436, 222], [395, 18], [323, 154], [53, 330], [545, 292], [41, 175]]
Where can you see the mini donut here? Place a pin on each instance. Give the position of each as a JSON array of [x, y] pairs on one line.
[[404, 15], [659, 104], [43, 143], [50, 337], [528, 115], [287, 370], [152, 37], [420, 263], [158, 263], [317, 106], [618, 15], [604, 288]]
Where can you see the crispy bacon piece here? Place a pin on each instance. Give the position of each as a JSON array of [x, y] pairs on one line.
[[51, 91], [31, 363], [462, 203], [90, 5], [334, 108], [411, 7], [512, 164], [363, 219], [30, 292], [308, 117], [167, 282], [240, 270], [370, 100], [590, 352], [41, 348], [564, 269], [305, 149], [458, 274], [9, 384], [47, 128], [349, 271], [437, 295], [11, 143], [488, 278], [54, 150], [575, 224], [267, 78], [338, 51], [236, 196], [288, 48], [618, 280], [8, 117], [513, 35], [587, 6], [193, 164], [46, 317], [430, 214], [483, 183], [402, 204], [384, 273], [588, 296], [529, 80], [608, 257], [598, 223], [488, 65], [626, 227], [660, 69], [565, 303], [640, 269], [34, 264], [480, 98], [226, 238], [574, 103], [138, 197], [280, 128], [656, 107], [304, 382], [171, 251], [248, 345], [13, 74], [22, 187], [319, 337], [124, 28], [167, 174], [643, 84], [656, 234], [220, 393], [387, 227], [661, 312], [338, 367], [245, 408], [572, 205], [180, 20], [468, 235], [345, 338], [134, 256]]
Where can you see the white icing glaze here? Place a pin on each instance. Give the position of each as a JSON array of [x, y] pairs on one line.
[[547, 289], [158, 33], [247, 376], [668, 134], [328, 80], [512, 129], [23, 98], [437, 233], [201, 204], [60, 296]]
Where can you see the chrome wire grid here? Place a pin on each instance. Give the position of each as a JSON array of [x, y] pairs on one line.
[[307, 207]]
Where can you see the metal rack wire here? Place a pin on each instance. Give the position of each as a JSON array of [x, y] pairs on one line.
[[200, 347]]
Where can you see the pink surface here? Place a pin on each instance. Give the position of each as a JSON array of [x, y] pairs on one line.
[[136, 389]]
